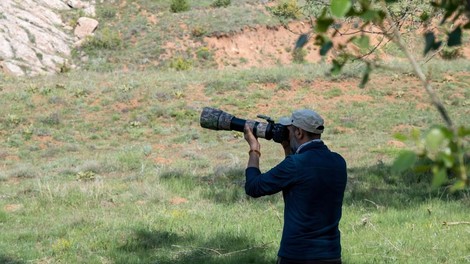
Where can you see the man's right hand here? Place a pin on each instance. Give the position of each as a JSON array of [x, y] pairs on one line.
[[251, 139]]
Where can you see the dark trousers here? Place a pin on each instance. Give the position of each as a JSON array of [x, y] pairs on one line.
[[293, 261]]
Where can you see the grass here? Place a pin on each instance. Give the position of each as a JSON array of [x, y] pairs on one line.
[[140, 38], [101, 165], [115, 168]]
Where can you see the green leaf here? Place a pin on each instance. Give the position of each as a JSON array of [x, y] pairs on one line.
[[440, 177], [447, 159], [336, 68], [455, 37], [430, 42], [463, 131], [362, 42], [365, 76], [404, 161], [377, 16], [301, 41], [459, 185], [340, 8], [323, 24], [325, 48], [435, 139]]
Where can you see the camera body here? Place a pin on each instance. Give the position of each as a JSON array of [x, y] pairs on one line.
[[216, 119]]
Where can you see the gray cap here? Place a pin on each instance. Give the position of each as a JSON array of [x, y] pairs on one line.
[[306, 119]]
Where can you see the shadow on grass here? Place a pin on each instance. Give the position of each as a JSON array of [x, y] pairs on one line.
[[224, 186], [377, 186], [164, 247], [367, 186], [9, 260]]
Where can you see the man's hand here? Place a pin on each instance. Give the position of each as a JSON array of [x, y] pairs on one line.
[[253, 160], [251, 139]]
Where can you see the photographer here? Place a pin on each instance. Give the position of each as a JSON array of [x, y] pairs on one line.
[[312, 180]]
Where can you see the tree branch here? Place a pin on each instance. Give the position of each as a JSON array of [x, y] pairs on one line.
[[417, 69]]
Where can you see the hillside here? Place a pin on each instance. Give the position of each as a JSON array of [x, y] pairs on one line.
[[52, 37]]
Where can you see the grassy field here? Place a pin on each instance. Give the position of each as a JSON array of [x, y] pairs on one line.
[[114, 168], [110, 165]]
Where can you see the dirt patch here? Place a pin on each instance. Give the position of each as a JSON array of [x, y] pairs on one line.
[[265, 46]]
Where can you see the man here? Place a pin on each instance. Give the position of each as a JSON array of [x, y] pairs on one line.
[[312, 180]]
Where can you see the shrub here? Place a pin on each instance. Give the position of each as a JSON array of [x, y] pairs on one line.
[[221, 3], [299, 55], [198, 31], [203, 53], [180, 64], [178, 6], [107, 12], [286, 10], [451, 53], [105, 39]]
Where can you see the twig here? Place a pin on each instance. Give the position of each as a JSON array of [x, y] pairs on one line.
[[419, 72], [372, 202], [455, 223], [243, 250], [200, 248], [219, 254]]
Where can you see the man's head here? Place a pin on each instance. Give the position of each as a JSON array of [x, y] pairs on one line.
[[305, 119], [303, 125]]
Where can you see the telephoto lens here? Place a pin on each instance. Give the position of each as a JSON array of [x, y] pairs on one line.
[[216, 119]]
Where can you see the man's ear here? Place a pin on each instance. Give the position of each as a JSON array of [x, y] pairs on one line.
[[299, 133]]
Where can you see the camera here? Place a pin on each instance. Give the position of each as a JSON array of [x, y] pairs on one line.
[[216, 119]]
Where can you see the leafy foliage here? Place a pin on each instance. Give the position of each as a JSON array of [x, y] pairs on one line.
[[104, 39], [221, 3], [446, 151], [286, 10], [180, 64], [178, 6], [447, 146]]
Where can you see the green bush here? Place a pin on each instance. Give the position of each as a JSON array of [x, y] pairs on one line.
[[203, 53], [104, 39], [180, 64], [198, 31], [451, 53], [178, 6], [221, 3], [298, 55], [286, 10]]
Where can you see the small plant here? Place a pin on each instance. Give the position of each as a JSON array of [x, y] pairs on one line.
[[298, 55], [221, 3], [286, 10], [198, 32], [52, 119], [104, 39], [203, 53], [79, 93], [180, 64], [107, 12], [451, 53], [14, 120], [86, 176], [178, 6]]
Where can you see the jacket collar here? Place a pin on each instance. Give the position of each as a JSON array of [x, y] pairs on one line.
[[316, 143]]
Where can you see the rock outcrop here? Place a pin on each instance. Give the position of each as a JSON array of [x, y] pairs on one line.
[[33, 38]]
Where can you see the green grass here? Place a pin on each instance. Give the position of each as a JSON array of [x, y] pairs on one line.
[[106, 166], [114, 168]]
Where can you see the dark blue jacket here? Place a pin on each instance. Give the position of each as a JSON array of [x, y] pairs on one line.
[[312, 183]]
